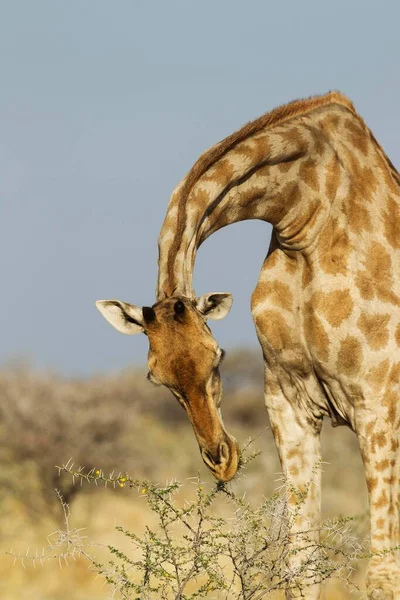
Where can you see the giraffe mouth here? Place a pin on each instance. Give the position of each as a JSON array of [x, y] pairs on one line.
[[222, 459]]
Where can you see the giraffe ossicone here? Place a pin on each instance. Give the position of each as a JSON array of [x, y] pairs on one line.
[[326, 307]]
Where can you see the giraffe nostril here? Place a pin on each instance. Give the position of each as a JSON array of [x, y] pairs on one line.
[[209, 459], [224, 452]]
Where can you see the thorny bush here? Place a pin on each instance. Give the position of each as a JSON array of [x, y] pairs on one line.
[[194, 552]]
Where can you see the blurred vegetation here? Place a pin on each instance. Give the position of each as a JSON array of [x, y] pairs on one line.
[[121, 420]]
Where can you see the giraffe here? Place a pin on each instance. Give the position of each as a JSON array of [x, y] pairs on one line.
[[326, 307]]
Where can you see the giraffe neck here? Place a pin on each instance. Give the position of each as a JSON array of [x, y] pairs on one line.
[[276, 174]]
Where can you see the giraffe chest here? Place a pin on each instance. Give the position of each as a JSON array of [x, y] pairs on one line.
[[330, 348], [297, 368]]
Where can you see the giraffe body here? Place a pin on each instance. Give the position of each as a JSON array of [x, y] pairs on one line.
[[326, 307]]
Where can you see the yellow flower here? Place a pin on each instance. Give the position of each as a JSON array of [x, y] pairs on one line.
[[121, 484], [143, 490], [97, 472], [123, 479]]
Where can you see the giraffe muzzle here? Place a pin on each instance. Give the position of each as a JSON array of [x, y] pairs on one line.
[[223, 461]]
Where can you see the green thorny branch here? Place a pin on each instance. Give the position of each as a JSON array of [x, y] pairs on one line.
[[194, 552]]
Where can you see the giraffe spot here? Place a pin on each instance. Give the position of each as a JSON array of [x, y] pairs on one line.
[[256, 148], [336, 306], [397, 334], [377, 375], [319, 140], [382, 465], [376, 278], [200, 198], [364, 178], [290, 196], [294, 452], [365, 285], [275, 329], [390, 401], [394, 376], [381, 501], [245, 149], [356, 392], [221, 172], [390, 481], [284, 167], [357, 213], [276, 291], [277, 435], [291, 136], [278, 207], [332, 180], [381, 439], [271, 260], [249, 192], [349, 356], [375, 329], [257, 296], [357, 135], [378, 439], [380, 523], [291, 263], [307, 276], [372, 482], [391, 221], [315, 333], [330, 123], [281, 294], [370, 428], [294, 470], [381, 536], [334, 248], [308, 173], [261, 148], [308, 272]]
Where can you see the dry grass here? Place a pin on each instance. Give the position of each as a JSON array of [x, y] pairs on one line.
[[122, 422]]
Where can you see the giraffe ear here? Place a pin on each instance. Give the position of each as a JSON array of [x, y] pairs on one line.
[[215, 305], [126, 318]]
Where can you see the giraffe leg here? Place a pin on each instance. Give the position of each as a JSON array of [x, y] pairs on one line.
[[298, 445], [379, 443]]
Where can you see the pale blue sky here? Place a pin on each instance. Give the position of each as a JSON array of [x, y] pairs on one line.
[[103, 108]]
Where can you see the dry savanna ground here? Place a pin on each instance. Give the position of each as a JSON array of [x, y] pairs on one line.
[[121, 422]]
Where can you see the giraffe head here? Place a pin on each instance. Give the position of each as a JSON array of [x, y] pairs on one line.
[[184, 357]]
